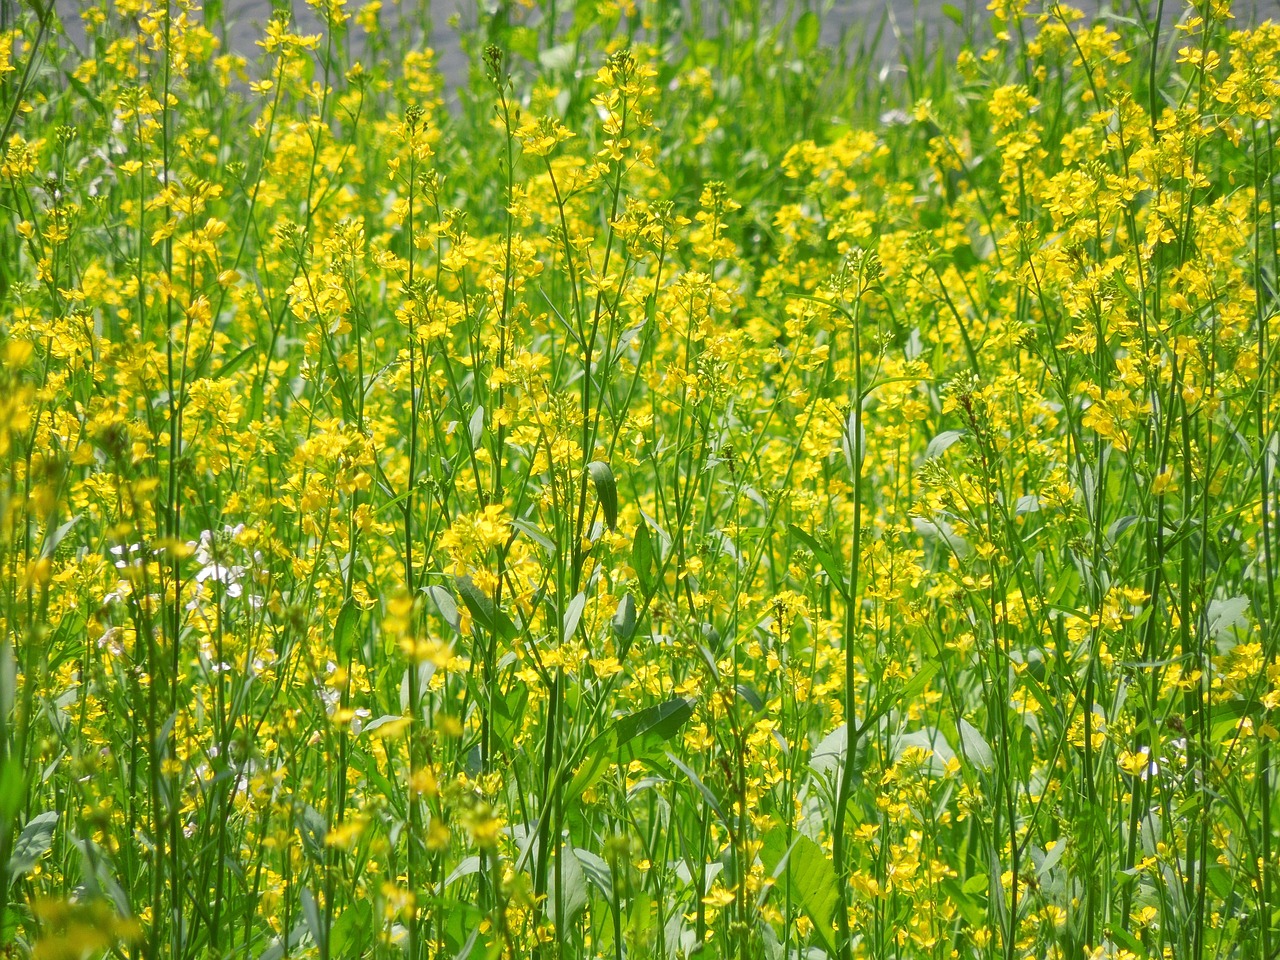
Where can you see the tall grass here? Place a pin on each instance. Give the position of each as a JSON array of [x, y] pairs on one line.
[[687, 489]]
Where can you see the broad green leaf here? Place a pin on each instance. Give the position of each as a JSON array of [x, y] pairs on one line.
[[663, 720], [35, 840], [624, 620], [573, 616], [941, 443], [311, 914], [312, 828], [230, 366], [750, 696], [389, 726], [642, 556], [807, 31], [559, 57], [828, 756], [278, 946], [629, 738], [58, 535], [465, 868], [1226, 616], [917, 684], [599, 754], [573, 887], [606, 491], [930, 739], [347, 937], [483, 610], [1050, 859], [12, 778], [508, 712], [640, 916], [344, 631], [1120, 526], [804, 870], [1128, 941], [978, 883], [367, 767], [976, 748], [521, 41], [962, 898], [444, 602], [537, 536], [597, 871]]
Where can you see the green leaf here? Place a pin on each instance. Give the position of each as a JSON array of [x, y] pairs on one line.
[[380, 722], [976, 748], [508, 713], [747, 693], [941, 443], [663, 721], [537, 536], [597, 871], [606, 491], [573, 889], [635, 735], [573, 616], [230, 366], [596, 759], [926, 738], [1051, 859], [465, 868], [312, 828], [559, 57], [829, 755], [278, 946], [35, 840], [523, 42], [58, 535], [1226, 616], [807, 32], [348, 935], [953, 13], [973, 914], [976, 884], [12, 778], [367, 767], [484, 611], [640, 916], [917, 684], [805, 870], [311, 915], [344, 630], [624, 621], [444, 602], [1129, 942], [85, 92], [642, 557], [824, 558]]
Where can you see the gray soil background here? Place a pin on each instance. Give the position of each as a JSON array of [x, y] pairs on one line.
[[840, 20]]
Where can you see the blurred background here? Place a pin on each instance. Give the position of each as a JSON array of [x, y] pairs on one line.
[[875, 28]]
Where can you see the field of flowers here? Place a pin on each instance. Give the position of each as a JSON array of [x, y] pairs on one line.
[[684, 490]]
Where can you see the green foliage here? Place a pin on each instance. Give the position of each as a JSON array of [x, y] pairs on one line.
[[640, 480]]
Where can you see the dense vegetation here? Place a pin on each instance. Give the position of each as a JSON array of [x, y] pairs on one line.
[[687, 489]]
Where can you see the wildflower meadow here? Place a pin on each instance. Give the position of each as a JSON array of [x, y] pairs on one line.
[[692, 483]]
